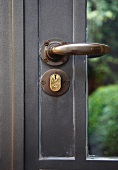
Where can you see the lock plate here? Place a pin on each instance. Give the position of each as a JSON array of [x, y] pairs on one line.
[[55, 82]]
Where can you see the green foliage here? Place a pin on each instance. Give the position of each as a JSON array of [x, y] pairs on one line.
[[102, 27], [103, 121], [102, 20]]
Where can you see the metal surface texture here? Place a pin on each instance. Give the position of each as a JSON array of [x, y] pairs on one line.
[[11, 85], [55, 51], [55, 87]]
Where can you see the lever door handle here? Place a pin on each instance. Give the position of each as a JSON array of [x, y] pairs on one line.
[[92, 50], [56, 52]]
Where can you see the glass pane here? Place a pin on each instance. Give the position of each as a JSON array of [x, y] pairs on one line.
[[102, 27]]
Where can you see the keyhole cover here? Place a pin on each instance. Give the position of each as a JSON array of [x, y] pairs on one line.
[[55, 82]]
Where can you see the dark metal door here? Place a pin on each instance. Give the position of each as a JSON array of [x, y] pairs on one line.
[[55, 127]]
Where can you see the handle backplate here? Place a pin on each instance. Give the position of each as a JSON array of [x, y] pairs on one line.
[[51, 59]]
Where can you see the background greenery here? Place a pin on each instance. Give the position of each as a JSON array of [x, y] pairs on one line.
[[103, 121], [102, 72]]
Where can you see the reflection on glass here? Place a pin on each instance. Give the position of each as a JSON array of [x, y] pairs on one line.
[[103, 79]]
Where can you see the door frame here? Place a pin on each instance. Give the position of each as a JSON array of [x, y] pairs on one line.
[[17, 28]]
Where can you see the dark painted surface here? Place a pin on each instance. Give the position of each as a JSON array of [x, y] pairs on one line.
[[54, 118], [11, 85], [56, 113]]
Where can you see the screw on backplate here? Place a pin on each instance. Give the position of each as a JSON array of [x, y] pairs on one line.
[[63, 59], [45, 60], [46, 43], [43, 82], [66, 82], [63, 43]]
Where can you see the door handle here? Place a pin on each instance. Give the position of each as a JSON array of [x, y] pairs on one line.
[[56, 52]]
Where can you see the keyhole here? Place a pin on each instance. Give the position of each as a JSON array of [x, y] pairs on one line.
[[55, 82]]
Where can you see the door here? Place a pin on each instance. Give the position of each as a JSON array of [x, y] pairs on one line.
[[11, 85], [55, 125]]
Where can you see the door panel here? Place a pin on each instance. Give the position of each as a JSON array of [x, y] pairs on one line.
[[55, 127], [56, 113], [52, 136]]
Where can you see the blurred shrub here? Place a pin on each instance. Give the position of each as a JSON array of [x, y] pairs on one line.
[[103, 121], [102, 20], [102, 71], [102, 27]]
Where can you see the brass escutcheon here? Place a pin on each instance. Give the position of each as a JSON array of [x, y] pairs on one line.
[[55, 82]]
